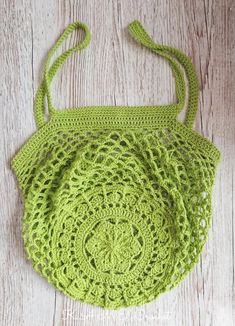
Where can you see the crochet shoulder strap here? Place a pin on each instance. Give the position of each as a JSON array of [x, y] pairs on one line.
[[178, 61], [49, 72], [173, 54]]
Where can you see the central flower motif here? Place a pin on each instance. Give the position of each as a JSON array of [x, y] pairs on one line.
[[114, 246]]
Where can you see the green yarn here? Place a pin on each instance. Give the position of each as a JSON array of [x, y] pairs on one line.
[[117, 200]]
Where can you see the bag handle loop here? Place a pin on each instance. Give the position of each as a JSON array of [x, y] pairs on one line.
[[170, 53], [49, 72]]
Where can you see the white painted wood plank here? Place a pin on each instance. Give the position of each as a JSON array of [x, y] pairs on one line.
[[115, 70]]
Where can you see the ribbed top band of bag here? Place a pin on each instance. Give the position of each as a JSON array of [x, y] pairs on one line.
[[179, 62]]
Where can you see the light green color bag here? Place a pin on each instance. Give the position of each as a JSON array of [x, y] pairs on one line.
[[117, 199]]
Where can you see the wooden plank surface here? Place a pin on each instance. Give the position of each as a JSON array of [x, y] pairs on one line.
[[114, 70]]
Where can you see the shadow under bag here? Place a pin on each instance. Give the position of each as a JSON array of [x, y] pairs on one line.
[[117, 199]]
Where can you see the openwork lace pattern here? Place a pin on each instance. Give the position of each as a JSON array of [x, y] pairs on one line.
[[117, 199]]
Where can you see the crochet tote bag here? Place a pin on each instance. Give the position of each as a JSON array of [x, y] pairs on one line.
[[117, 200]]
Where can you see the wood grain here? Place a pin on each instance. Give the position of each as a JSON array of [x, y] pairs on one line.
[[114, 70]]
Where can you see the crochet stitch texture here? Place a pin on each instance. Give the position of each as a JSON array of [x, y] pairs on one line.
[[117, 200]]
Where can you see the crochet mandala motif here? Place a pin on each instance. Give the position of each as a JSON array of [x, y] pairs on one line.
[[117, 199]]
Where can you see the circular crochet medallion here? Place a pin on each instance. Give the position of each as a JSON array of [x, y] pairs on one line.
[[113, 245], [114, 242]]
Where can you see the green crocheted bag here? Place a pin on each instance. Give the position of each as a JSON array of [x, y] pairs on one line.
[[117, 200]]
